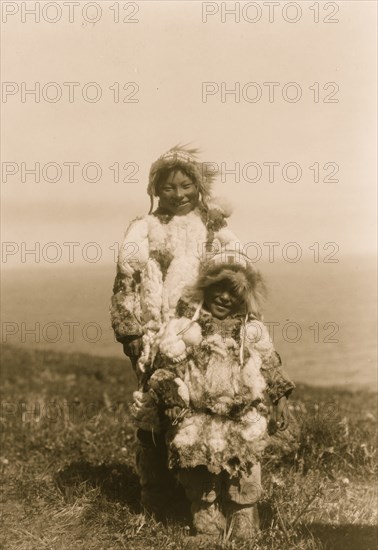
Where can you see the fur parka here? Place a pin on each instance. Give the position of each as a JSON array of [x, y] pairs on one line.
[[223, 389], [160, 256]]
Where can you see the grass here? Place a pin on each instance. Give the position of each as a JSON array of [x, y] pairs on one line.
[[68, 478]]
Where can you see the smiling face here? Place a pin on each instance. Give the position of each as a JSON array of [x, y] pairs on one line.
[[220, 299], [177, 193]]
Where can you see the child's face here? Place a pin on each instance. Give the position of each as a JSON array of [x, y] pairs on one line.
[[220, 300], [178, 194]]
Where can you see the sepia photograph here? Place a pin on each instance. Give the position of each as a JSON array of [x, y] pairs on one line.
[[188, 275]]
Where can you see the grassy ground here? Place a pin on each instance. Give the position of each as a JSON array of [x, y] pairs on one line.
[[68, 479]]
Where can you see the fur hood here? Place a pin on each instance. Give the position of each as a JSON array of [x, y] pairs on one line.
[[246, 281], [181, 157], [184, 159]]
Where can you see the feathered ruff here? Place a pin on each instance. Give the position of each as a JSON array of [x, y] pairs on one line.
[[185, 158]]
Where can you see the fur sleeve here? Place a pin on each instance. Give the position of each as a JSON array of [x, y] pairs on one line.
[[277, 381], [134, 251], [125, 309]]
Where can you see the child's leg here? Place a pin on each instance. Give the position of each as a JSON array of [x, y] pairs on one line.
[[203, 490], [156, 480], [241, 495]]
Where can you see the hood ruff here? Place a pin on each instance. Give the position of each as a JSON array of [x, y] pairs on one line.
[[246, 282]]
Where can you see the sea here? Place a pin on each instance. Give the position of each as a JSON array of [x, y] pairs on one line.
[[322, 317]]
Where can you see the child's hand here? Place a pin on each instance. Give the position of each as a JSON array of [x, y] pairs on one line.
[[143, 402], [173, 412], [281, 413]]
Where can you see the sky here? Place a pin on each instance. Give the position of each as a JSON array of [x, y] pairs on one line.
[[167, 55]]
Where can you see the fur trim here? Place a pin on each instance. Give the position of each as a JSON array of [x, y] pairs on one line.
[[193, 335], [134, 253], [180, 240], [219, 444], [231, 434], [246, 282], [167, 255], [151, 290], [183, 391], [208, 520], [171, 344], [252, 378]]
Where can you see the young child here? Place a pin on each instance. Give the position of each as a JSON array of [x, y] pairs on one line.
[[219, 371]]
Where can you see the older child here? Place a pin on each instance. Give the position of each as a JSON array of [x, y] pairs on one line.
[[219, 371], [159, 256]]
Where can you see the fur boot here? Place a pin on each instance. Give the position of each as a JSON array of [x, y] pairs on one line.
[[203, 490], [207, 518], [243, 522]]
